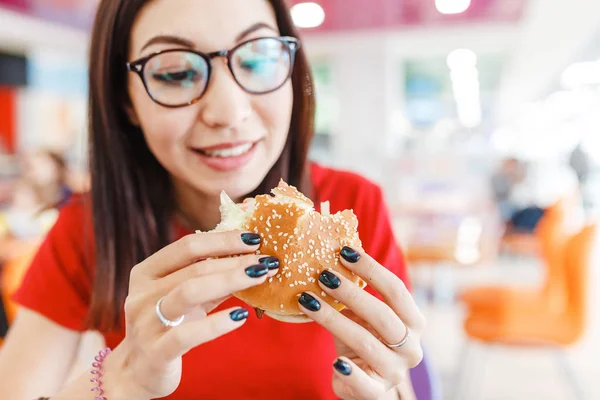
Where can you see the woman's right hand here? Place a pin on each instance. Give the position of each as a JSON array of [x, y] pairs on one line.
[[192, 281]]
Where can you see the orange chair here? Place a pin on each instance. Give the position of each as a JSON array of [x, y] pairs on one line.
[[534, 324], [551, 236], [12, 274]]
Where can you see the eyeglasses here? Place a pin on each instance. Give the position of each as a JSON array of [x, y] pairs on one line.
[[179, 77]]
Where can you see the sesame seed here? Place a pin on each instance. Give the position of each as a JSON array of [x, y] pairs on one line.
[[323, 294], [291, 285]]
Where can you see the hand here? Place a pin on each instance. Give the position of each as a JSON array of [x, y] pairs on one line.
[[368, 369], [191, 282]]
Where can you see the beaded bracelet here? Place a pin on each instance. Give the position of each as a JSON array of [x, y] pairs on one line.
[[98, 373]]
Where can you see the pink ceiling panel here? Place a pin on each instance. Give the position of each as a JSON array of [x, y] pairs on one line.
[[349, 15]]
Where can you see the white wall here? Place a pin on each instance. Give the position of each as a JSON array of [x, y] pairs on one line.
[[368, 80], [552, 33]]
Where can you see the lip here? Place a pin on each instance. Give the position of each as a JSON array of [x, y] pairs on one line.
[[226, 145], [226, 164]]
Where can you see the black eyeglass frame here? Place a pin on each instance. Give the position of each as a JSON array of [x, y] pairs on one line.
[[138, 66]]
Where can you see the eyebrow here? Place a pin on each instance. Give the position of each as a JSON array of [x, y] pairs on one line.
[[170, 39]]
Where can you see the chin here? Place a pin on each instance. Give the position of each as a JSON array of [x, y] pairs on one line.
[[238, 186]]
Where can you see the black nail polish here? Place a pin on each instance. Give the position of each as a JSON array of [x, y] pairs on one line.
[[350, 255], [309, 302], [251, 239], [330, 280], [239, 315], [342, 367], [256, 271], [270, 262]]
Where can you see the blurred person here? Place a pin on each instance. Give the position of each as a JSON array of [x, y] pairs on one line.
[[511, 172], [48, 170], [544, 184], [24, 221], [187, 121], [580, 161]]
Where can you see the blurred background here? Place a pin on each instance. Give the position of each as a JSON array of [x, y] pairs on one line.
[[479, 118]]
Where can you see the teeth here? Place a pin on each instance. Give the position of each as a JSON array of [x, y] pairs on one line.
[[230, 152]]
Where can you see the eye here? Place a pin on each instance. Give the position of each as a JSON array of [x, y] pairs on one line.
[[258, 64], [177, 77]]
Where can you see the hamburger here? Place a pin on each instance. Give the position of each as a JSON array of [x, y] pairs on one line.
[[305, 241]]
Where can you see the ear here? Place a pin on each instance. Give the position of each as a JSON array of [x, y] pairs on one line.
[[131, 115]]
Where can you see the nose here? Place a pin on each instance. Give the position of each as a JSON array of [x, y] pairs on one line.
[[225, 104]]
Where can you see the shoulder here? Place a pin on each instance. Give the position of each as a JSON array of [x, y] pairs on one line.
[[74, 210], [74, 222], [344, 189]]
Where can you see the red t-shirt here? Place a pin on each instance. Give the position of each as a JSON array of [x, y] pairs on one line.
[[264, 359]]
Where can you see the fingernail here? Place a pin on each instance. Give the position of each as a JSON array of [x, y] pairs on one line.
[[350, 255], [256, 271], [239, 315], [342, 367], [309, 302], [251, 239], [330, 280], [271, 262]]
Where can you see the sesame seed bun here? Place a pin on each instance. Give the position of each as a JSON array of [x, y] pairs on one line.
[[305, 242]]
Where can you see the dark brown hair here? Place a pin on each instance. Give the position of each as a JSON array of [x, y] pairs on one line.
[[131, 199]]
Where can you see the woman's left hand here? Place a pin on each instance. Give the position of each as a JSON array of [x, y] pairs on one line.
[[377, 342]]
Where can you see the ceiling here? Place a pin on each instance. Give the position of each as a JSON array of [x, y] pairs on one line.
[[341, 15], [348, 15]]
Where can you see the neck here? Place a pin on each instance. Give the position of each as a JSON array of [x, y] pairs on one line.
[[196, 210]]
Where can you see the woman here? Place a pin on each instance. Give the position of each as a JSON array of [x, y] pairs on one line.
[[173, 121]]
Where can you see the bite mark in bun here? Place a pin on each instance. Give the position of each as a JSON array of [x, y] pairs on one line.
[[305, 242]]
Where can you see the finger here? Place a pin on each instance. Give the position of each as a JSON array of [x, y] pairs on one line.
[[351, 382], [208, 267], [359, 339], [197, 246], [194, 293], [391, 288], [206, 308], [366, 306], [180, 339]]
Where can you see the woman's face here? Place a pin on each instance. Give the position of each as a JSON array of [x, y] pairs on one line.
[[200, 144]]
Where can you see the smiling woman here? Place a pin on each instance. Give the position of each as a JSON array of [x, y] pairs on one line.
[[188, 99]]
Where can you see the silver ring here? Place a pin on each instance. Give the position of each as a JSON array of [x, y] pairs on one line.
[[165, 321], [402, 342]]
